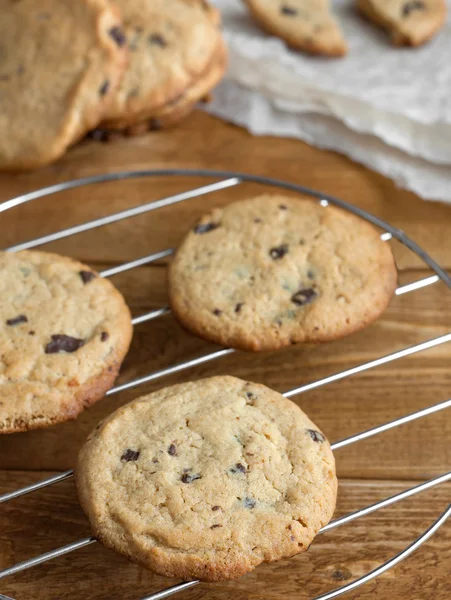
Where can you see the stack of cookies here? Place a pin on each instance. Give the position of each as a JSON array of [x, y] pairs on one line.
[[67, 68]]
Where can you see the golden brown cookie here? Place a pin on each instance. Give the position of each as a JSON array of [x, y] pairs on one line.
[[60, 64], [409, 22], [64, 332], [303, 24], [208, 479], [171, 43], [274, 270]]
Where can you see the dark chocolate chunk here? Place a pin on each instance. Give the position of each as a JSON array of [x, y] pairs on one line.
[[17, 320], [32, 333], [217, 312], [154, 124], [63, 343], [104, 336], [87, 276], [172, 450], [104, 88], [283, 207], [278, 251], [303, 297], [215, 526], [249, 503], [155, 39], [316, 436], [189, 477], [239, 306], [409, 7], [118, 35], [288, 11], [205, 227], [310, 274], [215, 508], [238, 468], [257, 220], [130, 455]]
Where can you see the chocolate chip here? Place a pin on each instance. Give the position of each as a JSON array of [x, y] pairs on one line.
[[32, 333], [154, 124], [117, 33], [257, 220], [303, 297], [98, 135], [250, 395], [283, 207], [215, 508], [130, 455], [316, 436], [249, 503], [217, 312], [239, 306], [155, 460], [87, 276], [310, 274], [172, 450], [215, 526], [278, 251], [409, 7], [103, 91], [238, 468], [287, 10], [188, 477], [63, 343], [155, 39], [104, 336], [205, 227], [17, 320]]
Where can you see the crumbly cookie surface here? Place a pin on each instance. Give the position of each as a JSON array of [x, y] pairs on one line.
[[409, 22], [60, 64], [304, 24], [263, 273], [171, 43], [64, 332], [207, 479]]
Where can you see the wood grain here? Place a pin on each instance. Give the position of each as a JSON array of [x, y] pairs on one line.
[[368, 470]]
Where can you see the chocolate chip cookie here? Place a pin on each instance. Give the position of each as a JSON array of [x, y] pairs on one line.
[[60, 63], [303, 24], [64, 332], [409, 22], [271, 271], [171, 43], [207, 479]]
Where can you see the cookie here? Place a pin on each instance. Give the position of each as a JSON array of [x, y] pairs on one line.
[[206, 480], [179, 108], [303, 24], [64, 332], [60, 63], [409, 22], [271, 271], [171, 43]]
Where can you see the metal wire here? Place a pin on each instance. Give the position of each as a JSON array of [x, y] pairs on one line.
[[228, 180]]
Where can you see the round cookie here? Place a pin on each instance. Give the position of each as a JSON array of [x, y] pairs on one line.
[[409, 22], [171, 43], [303, 24], [207, 479], [274, 270], [64, 332], [60, 63]]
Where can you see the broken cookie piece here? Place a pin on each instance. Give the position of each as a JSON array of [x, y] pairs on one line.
[[409, 22]]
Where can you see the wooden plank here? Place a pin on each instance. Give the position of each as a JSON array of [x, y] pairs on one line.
[[51, 518]]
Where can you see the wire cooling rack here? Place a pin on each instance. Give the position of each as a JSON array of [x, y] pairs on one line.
[[227, 180]]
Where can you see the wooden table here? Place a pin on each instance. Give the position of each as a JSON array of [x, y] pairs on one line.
[[369, 470]]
